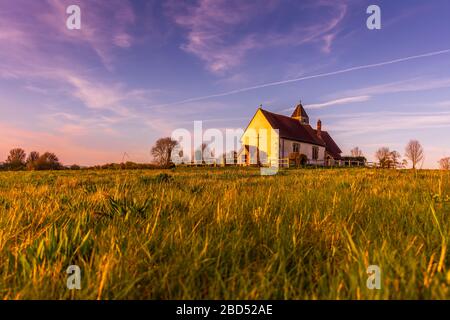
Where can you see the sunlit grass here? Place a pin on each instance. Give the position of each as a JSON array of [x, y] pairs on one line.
[[225, 233]]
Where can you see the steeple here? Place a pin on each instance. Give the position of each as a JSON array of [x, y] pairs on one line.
[[300, 114]]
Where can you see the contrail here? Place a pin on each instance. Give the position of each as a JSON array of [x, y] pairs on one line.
[[320, 75]]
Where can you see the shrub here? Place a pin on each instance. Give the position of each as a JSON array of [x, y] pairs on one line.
[[163, 178]]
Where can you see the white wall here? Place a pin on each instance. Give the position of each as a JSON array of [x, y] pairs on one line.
[[305, 148]]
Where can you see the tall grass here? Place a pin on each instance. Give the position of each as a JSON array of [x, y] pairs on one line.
[[225, 234]]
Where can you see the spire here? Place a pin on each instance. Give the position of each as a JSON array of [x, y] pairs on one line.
[[300, 114]]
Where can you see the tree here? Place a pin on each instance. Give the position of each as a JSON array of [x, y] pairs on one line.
[[47, 161], [201, 153], [32, 159], [33, 156], [394, 159], [388, 158], [162, 151], [414, 152], [16, 159], [203, 149], [444, 163], [356, 152], [383, 156], [404, 163]]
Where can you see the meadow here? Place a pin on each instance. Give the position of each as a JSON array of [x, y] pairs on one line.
[[225, 233]]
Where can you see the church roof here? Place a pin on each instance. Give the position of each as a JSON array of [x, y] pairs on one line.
[[292, 129], [331, 146], [299, 112]]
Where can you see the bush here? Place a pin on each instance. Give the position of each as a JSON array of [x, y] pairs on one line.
[[163, 178]]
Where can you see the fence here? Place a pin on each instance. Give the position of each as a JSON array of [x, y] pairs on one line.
[[284, 163]]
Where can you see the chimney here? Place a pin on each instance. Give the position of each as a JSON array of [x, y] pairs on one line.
[[319, 128]]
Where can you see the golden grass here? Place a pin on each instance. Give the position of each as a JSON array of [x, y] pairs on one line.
[[194, 233]]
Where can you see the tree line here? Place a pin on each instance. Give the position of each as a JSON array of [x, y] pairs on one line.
[[164, 147], [414, 154], [18, 160]]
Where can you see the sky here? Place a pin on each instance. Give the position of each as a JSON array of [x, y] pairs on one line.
[[137, 70]]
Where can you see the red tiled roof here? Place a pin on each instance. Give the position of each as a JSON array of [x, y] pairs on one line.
[[292, 129], [331, 146]]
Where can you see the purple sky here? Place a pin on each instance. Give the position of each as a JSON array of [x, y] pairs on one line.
[[139, 69]]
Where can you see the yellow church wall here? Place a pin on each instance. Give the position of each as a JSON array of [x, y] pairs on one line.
[[259, 133]]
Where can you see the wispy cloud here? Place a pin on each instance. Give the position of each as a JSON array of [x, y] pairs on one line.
[[209, 26], [366, 93], [374, 122], [213, 28], [346, 100], [315, 76], [97, 95], [340, 101], [409, 85], [443, 103], [105, 25]]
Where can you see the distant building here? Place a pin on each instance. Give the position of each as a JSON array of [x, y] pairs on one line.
[[295, 139]]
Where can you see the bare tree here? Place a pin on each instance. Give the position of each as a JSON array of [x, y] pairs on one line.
[[444, 163], [203, 150], [414, 152], [162, 151], [383, 156], [356, 152], [16, 159]]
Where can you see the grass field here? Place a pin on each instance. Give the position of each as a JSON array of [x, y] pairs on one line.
[[225, 234]]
